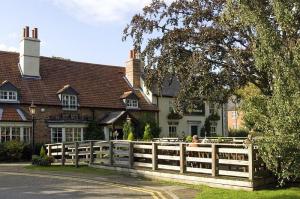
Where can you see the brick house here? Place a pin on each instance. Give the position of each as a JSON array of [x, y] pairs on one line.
[[67, 94]]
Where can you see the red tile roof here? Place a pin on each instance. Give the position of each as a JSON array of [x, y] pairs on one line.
[[98, 85], [13, 113]]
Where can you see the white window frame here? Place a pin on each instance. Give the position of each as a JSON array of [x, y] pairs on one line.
[[20, 135], [69, 102], [8, 96], [234, 115], [212, 109], [64, 132], [173, 128], [132, 103]]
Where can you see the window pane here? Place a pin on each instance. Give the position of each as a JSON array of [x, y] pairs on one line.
[[26, 134], [5, 134], [69, 134], [15, 133], [56, 134]]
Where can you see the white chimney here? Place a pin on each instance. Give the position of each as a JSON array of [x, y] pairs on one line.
[[30, 53]]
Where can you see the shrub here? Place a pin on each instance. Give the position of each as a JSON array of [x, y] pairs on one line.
[[147, 133], [189, 139], [130, 136], [42, 161], [3, 155], [238, 132], [127, 129], [145, 119], [42, 152], [94, 132], [14, 150]]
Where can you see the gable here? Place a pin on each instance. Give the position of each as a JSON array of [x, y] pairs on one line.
[[7, 86]]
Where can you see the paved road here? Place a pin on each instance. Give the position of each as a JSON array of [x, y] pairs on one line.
[[36, 186], [19, 183]]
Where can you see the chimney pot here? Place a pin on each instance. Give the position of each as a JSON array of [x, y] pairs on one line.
[[35, 33], [24, 32], [27, 31], [32, 32]]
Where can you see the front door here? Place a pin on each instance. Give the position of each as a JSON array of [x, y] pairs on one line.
[[194, 129]]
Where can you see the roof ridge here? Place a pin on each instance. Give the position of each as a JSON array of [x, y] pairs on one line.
[[67, 60]]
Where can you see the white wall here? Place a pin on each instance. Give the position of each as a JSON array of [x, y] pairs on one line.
[[185, 123]]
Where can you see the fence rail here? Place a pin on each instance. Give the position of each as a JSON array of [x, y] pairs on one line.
[[236, 160]]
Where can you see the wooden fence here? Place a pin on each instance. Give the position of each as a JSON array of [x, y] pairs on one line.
[[236, 160]]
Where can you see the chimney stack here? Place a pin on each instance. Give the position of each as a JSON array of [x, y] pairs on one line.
[[30, 53], [133, 69]]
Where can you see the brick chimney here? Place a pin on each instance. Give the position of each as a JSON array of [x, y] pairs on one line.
[[30, 53], [134, 69]]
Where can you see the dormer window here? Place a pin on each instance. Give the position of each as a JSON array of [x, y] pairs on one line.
[[8, 92], [9, 96], [69, 102], [130, 99], [69, 98], [132, 103]]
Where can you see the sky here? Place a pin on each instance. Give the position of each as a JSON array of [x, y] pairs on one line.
[[80, 30]]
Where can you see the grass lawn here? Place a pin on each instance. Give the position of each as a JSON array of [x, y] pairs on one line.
[[72, 169], [204, 191], [213, 193]]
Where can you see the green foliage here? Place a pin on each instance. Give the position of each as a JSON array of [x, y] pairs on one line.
[[174, 116], [14, 150], [149, 119], [242, 132], [94, 132], [230, 44], [127, 129], [42, 160], [130, 136], [189, 139], [42, 152], [206, 127], [147, 133]]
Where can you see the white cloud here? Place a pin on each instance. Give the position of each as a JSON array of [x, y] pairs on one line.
[[4, 47], [100, 11]]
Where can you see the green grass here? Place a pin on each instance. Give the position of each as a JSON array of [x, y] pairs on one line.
[[205, 192], [72, 169], [213, 193]]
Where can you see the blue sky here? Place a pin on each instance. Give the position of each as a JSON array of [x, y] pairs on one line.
[[81, 30]]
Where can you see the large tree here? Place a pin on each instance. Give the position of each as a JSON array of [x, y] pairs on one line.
[[214, 47]]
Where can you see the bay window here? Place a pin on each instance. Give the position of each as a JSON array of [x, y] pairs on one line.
[[66, 134], [17, 133]]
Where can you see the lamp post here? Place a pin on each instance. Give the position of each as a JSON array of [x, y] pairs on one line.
[[32, 110]]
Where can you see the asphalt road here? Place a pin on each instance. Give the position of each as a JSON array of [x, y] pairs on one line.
[[14, 185]]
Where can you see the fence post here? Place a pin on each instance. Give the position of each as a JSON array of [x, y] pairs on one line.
[[76, 154], [214, 171], [91, 152], [182, 158], [63, 153], [250, 162], [154, 156], [49, 150], [111, 153], [130, 154]]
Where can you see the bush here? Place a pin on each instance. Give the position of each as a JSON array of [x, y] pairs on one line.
[[42, 152], [189, 139], [147, 133], [94, 132], [238, 132], [14, 150], [127, 129], [42, 161], [130, 136]]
